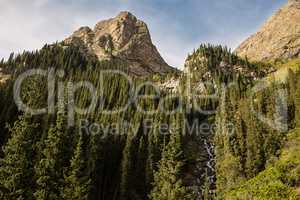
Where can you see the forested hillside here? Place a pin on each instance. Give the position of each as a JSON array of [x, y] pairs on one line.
[[255, 112], [138, 154]]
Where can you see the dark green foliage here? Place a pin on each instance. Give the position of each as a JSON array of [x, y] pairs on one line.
[[253, 144], [44, 158], [49, 170], [223, 65], [77, 183], [168, 183], [16, 171]]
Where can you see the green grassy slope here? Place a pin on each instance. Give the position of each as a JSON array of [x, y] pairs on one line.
[[279, 181]]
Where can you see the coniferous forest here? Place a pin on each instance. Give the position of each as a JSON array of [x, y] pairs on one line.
[[130, 154]]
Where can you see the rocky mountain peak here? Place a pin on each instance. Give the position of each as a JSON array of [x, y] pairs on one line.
[[124, 37], [279, 38], [125, 15], [293, 1]]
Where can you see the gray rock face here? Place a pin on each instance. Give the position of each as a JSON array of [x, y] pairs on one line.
[[279, 38], [294, 1], [123, 37]]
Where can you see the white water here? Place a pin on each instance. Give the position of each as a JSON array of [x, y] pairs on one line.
[[211, 161], [205, 172]]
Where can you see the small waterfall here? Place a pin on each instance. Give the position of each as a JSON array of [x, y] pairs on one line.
[[211, 161], [204, 169]]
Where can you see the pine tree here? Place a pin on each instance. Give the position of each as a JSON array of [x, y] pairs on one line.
[[140, 184], [227, 164], [78, 181], [128, 165], [167, 180], [95, 165], [16, 167], [49, 170]]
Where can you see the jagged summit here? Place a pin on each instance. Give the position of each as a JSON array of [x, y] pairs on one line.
[[279, 38], [123, 37], [294, 1]]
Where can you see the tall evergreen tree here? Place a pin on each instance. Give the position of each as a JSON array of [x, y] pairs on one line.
[[49, 170], [78, 182], [95, 165], [16, 167], [168, 179], [128, 176]]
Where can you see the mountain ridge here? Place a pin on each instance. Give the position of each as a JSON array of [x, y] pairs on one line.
[[123, 37], [279, 37]]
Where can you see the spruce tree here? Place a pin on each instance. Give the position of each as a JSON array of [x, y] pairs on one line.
[[78, 181], [95, 164], [16, 167], [140, 182], [128, 165], [167, 180], [49, 170]]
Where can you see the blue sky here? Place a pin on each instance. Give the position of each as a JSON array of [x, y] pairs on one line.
[[176, 26]]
